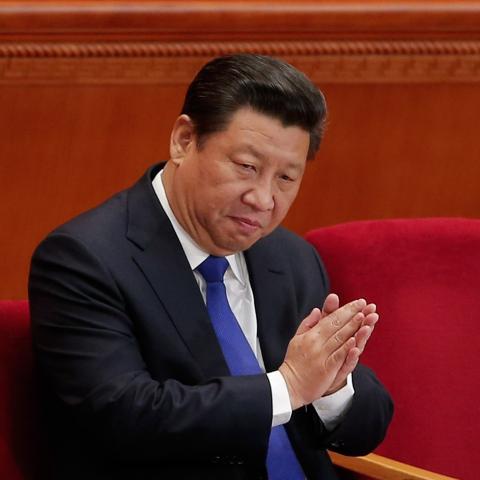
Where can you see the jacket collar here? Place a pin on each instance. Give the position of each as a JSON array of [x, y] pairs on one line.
[[274, 298], [163, 262]]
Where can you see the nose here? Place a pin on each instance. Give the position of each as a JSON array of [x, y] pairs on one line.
[[260, 197]]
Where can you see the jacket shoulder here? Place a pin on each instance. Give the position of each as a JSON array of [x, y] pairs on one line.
[[289, 245], [298, 255], [98, 222]]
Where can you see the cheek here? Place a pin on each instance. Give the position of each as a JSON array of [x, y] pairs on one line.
[[229, 194], [219, 200], [279, 214], [282, 206]]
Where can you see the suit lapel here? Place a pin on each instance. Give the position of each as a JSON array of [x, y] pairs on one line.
[[161, 259], [274, 299]]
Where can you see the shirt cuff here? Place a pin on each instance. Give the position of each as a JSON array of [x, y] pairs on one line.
[[332, 408], [281, 407]]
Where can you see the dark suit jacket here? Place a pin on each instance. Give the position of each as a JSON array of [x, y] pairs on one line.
[[135, 382]]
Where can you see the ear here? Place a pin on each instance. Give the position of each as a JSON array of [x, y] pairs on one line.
[[182, 138]]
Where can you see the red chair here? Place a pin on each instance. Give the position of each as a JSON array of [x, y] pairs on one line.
[[424, 276], [19, 448]]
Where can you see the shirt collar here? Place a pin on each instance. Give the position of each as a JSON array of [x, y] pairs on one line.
[[195, 255]]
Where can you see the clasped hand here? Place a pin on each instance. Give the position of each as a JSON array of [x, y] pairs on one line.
[[326, 348]]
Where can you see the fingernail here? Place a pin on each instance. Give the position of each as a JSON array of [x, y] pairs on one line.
[[361, 303]]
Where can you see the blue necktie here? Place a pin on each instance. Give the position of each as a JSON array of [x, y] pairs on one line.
[[282, 463]]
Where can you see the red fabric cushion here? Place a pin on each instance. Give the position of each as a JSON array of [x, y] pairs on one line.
[[17, 392], [424, 276]]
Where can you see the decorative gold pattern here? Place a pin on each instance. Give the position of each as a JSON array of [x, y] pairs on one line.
[[162, 63]]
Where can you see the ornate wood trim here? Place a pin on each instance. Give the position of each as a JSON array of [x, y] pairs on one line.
[[159, 62], [202, 49], [194, 19]]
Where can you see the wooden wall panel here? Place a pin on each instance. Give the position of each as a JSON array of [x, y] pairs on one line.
[[394, 151], [64, 149], [89, 90]]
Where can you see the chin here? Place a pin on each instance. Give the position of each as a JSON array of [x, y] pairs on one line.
[[240, 246], [230, 246], [229, 242]]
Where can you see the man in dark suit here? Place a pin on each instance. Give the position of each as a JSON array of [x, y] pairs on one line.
[[142, 379]]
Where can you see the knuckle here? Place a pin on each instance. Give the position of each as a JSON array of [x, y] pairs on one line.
[[338, 358], [335, 320], [352, 365]]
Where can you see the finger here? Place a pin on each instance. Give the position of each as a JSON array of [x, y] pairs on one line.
[[370, 308], [371, 319], [340, 317], [362, 336], [338, 357], [332, 302], [309, 321], [348, 366], [350, 363], [343, 334]]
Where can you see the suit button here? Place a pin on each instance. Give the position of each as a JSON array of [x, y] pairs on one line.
[[234, 460]]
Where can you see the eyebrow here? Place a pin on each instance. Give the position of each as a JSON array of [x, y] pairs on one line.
[[253, 151], [250, 149]]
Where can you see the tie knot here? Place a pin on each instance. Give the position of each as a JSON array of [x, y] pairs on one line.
[[213, 269]]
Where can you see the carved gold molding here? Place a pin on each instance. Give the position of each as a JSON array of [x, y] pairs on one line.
[[177, 62]]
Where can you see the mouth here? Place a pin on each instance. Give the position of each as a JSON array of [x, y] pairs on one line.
[[247, 225]]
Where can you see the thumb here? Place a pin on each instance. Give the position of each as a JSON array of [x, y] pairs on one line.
[[309, 321], [332, 303]]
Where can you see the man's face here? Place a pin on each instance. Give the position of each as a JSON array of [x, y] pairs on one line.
[[240, 184]]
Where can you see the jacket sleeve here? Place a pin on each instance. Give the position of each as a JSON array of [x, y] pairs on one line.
[[89, 355], [365, 424]]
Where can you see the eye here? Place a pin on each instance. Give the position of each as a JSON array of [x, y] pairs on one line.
[[247, 166], [286, 178]]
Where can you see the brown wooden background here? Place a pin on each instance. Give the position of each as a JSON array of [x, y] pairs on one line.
[[89, 91]]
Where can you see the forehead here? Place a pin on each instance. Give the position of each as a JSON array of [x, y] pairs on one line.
[[254, 133]]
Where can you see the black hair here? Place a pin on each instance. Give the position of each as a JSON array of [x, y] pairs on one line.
[[267, 85]]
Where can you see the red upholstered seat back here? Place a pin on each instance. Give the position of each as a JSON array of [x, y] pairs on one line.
[[18, 440], [424, 276]]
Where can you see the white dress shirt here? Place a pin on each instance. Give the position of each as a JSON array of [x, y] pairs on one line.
[[240, 297]]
